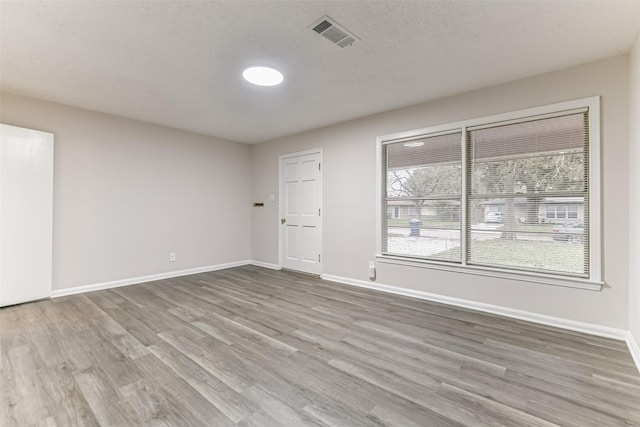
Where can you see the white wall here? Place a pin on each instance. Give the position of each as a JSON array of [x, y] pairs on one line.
[[349, 193], [634, 194], [126, 193]]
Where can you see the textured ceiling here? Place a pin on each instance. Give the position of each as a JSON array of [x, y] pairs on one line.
[[179, 63]]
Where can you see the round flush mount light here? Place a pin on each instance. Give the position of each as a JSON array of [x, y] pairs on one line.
[[263, 76]]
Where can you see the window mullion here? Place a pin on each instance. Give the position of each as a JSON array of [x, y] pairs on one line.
[[463, 202]]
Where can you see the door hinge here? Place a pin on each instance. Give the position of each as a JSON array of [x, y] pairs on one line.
[[318, 211], [318, 257], [318, 166]]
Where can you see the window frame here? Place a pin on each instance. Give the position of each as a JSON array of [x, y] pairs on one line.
[[593, 282]]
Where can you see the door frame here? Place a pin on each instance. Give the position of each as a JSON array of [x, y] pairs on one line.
[[281, 208]]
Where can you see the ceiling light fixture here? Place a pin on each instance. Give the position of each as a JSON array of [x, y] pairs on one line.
[[263, 76]]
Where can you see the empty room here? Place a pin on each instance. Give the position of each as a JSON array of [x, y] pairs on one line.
[[320, 213]]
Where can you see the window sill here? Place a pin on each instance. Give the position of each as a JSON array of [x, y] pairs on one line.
[[547, 279]]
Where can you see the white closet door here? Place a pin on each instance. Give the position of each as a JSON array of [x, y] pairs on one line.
[[26, 214]]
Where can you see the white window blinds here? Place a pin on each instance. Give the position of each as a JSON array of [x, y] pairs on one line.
[[423, 197], [534, 173]]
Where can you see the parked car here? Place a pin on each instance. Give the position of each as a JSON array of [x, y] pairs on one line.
[[493, 217], [572, 233]]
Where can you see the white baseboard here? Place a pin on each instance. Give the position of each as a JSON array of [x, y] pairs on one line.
[[265, 265], [142, 279], [558, 322], [634, 349]]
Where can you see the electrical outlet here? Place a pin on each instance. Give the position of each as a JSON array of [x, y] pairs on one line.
[[172, 256]]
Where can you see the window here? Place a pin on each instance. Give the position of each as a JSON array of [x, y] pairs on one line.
[[572, 212], [425, 175], [497, 194]]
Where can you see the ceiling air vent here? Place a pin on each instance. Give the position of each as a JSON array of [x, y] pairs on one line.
[[330, 30]]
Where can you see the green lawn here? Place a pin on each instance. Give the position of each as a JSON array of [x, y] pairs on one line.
[[455, 225], [395, 222], [542, 255], [533, 228]]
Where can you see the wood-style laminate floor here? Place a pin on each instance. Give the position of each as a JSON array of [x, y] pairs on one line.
[[255, 347]]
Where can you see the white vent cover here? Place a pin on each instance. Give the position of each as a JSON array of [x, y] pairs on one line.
[[336, 34]]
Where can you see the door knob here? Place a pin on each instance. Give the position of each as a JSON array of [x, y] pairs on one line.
[[283, 220]]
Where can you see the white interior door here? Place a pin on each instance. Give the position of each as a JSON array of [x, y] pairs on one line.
[[26, 214], [300, 208]]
